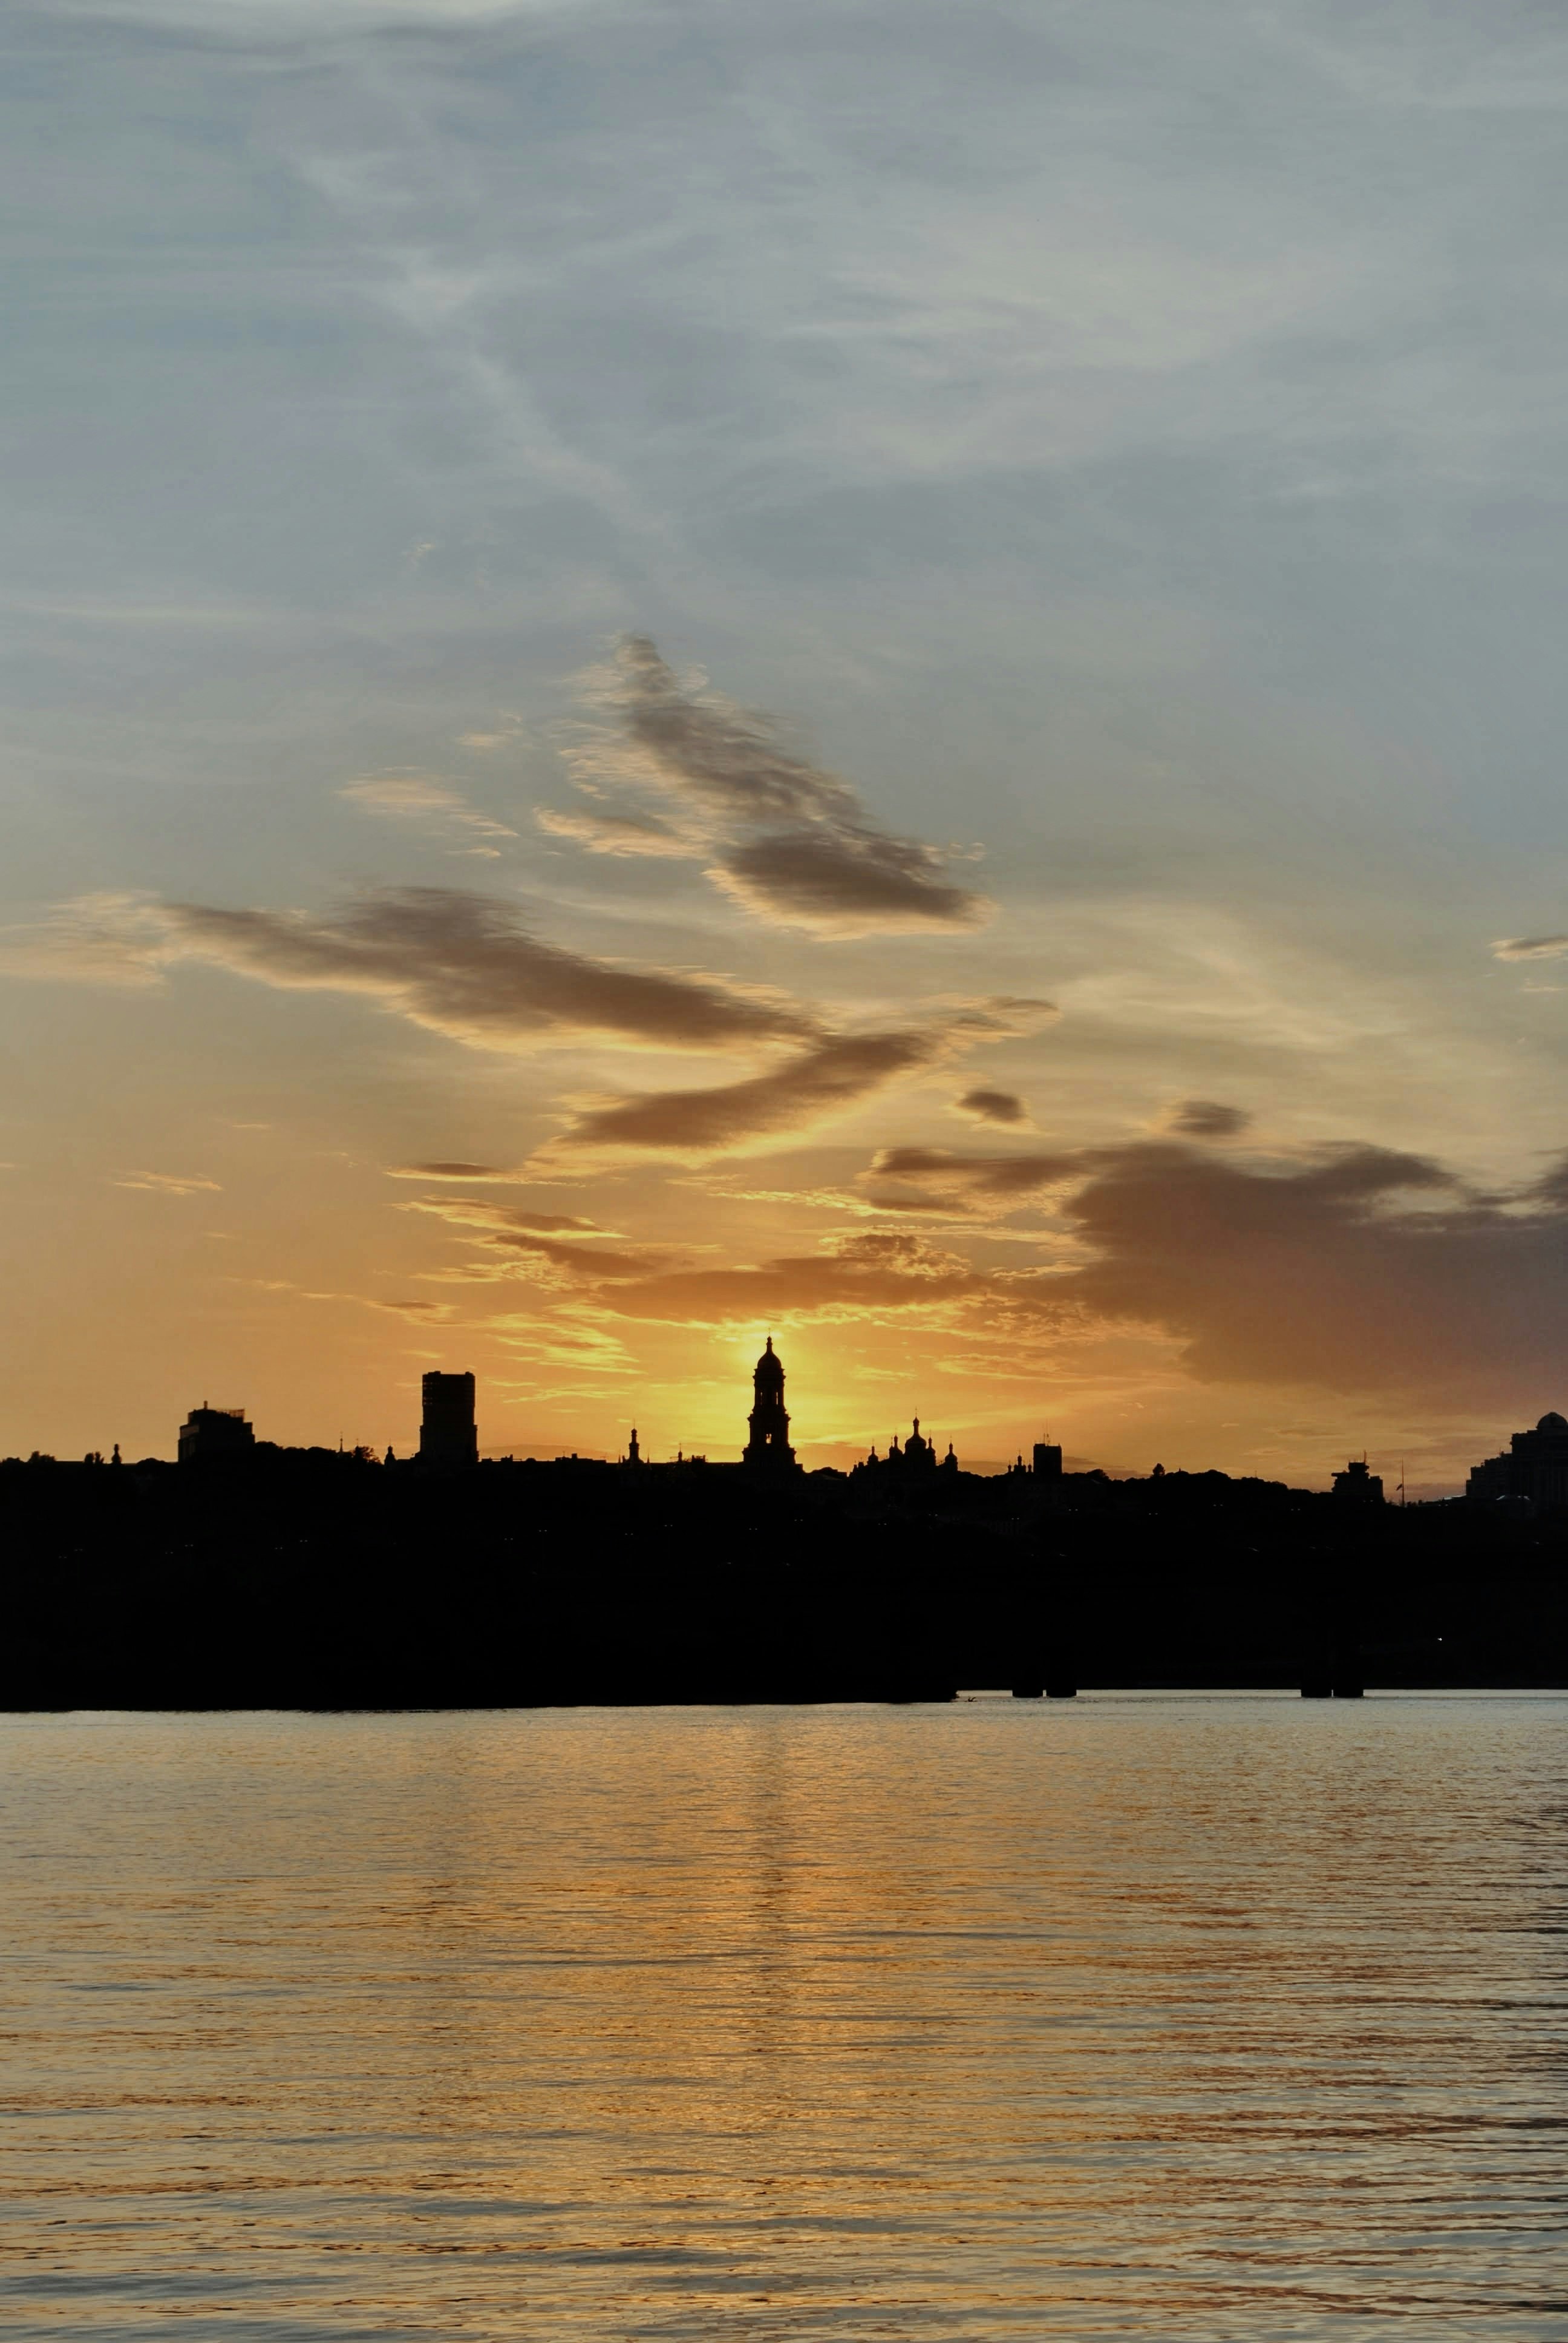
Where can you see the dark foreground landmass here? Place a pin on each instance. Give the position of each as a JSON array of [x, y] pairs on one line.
[[307, 1579]]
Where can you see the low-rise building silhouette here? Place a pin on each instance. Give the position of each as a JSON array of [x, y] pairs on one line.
[[213, 1436], [1534, 1472], [447, 1433]]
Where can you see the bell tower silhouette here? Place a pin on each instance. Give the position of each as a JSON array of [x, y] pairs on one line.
[[769, 1447]]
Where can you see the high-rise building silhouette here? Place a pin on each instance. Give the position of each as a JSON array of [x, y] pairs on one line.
[[214, 1435], [769, 1447], [447, 1433], [1047, 1460]]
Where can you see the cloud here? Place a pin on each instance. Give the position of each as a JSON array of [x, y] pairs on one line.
[[515, 1229], [426, 1310], [846, 882], [859, 1274], [451, 1171], [484, 1212], [1357, 1269], [789, 841], [830, 1076], [458, 964], [420, 797], [969, 1176], [463, 965], [104, 938], [1205, 1118], [171, 1183], [1352, 1268], [1530, 947], [834, 1074], [479, 1212], [992, 1106], [640, 834]]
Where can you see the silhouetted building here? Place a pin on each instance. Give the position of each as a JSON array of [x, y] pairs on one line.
[[1535, 1470], [213, 1436], [769, 1447], [918, 1453], [634, 1454], [915, 1459], [1358, 1486], [1047, 1461], [447, 1433]]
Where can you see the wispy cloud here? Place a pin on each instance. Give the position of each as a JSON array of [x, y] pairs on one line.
[[859, 1275], [434, 1312], [639, 835], [105, 938], [788, 841], [452, 1171], [414, 796], [170, 1183], [832, 1075], [458, 964], [514, 1230], [835, 1073]]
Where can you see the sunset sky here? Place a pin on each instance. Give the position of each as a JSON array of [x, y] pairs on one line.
[[886, 673]]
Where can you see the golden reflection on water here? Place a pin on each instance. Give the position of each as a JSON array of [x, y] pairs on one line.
[[1210, 2018]]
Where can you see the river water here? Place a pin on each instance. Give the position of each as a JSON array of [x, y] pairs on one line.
[[1147, 2017]]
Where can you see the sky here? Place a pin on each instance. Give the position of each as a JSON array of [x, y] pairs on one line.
[[878, 673]]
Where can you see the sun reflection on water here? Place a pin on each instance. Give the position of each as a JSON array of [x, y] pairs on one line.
[[1141, 2017]]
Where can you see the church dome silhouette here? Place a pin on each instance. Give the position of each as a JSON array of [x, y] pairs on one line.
[[770, 1367], [1553, 1422]]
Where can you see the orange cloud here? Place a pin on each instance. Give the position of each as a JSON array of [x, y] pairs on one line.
[[992, 1106], [171, 1183], [515, 1229], [863, 1274], [1205, 1118], [451, 1171]]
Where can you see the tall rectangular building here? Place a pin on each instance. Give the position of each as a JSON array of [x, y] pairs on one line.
[[447, 1433]]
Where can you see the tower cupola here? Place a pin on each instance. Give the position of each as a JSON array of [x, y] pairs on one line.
[[769, 1449]]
